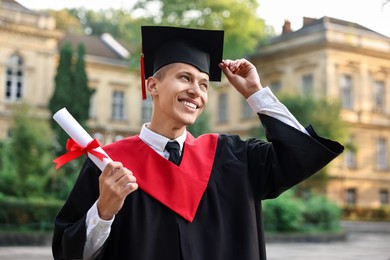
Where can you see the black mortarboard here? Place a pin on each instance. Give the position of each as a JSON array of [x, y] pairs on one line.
[[163, 45]]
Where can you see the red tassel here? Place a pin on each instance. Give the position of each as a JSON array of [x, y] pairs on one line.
[[143, 77]]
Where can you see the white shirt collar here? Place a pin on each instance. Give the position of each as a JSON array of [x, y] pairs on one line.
[[157, 141]]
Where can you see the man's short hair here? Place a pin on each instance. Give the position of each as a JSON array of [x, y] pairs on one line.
[[160, 73]]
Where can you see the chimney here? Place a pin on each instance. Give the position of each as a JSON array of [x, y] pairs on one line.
[[286, 27], [308, 20]]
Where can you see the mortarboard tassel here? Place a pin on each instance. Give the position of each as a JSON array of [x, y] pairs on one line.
[[143, 76]]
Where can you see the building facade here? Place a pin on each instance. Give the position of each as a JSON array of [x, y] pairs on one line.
[[326, 57], [341, 61], [28, 50], [29, 54]]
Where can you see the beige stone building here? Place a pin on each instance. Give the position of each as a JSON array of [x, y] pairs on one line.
[[28, 49], [344, 61], [29, 53], [327, 57]]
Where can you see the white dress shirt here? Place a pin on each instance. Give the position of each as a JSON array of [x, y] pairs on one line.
[[262, 102]]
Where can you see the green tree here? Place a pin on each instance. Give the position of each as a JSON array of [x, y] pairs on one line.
[[243, 29], [71, 91], [63, 95], [27, 164], [319, 112], [120, 23], [80, 108], [7, 169], [65, 20]]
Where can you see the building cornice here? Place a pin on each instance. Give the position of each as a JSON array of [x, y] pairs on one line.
[[329, 35], [27, 30]]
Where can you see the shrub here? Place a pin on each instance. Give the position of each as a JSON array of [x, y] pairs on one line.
[[283, 214], [291, 214], [28, 214], [320, 213]]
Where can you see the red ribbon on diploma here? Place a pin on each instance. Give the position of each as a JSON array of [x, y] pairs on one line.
[[75, 150]]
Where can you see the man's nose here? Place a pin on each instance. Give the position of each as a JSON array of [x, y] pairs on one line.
[[194, 89]]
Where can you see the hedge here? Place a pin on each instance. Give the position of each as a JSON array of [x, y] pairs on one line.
[[28, 214], [291, 214]]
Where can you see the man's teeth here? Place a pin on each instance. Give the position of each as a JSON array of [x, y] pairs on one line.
[[189, 104]]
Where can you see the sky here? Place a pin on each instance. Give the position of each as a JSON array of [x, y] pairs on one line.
[[369, 13]]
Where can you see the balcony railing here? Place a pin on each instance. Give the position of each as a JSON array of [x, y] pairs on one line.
[[11, 15]]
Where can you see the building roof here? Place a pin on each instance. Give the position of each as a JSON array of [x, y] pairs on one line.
[[326, 31], [11, 4], [104, 46], [311, 24]]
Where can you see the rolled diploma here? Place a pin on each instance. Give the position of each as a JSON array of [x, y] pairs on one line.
[[79, 135]]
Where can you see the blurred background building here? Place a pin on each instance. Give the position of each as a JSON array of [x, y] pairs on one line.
[[327, 57]]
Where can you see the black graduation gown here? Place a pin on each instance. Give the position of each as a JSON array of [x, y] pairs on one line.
[[228, 222]]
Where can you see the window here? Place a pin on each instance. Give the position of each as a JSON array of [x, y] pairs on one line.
[[346, 91], [118, 105], [246, 111], [307, 84], [350, 159], [222, 108], [384, 197], [379, 96], [350, 154], [147, 107], [350, 197], [381, 154], [14, 78]]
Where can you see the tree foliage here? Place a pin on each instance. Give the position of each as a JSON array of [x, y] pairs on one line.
[[65, 20], [243, 29], [287, 213], [322, 113], [27, 157], [62, 96], [71, 90], [80, 109]]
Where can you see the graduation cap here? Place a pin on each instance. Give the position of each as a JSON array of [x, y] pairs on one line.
[[163, 45]]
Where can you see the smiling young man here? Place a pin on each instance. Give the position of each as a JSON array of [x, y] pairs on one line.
[[179, 95], [168, 195]]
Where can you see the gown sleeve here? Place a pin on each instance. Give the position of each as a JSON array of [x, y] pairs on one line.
[[289, 157], [69, 230]]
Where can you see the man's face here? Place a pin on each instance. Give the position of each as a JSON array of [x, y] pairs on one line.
[[180, 96]]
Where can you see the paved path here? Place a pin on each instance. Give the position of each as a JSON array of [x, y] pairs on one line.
[[364, 241], [357, 246], [369, 241]]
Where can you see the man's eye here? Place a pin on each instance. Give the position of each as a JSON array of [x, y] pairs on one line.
[[204, 85], [185, 77]]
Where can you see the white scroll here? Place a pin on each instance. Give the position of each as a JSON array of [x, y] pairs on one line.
[[79, 135]]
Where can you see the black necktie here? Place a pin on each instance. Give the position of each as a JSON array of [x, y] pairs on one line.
[[174, 152]]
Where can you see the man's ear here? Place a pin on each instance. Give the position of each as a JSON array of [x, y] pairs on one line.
[[151, 85]]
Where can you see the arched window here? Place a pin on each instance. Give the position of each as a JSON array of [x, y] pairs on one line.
[[14, 78]]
